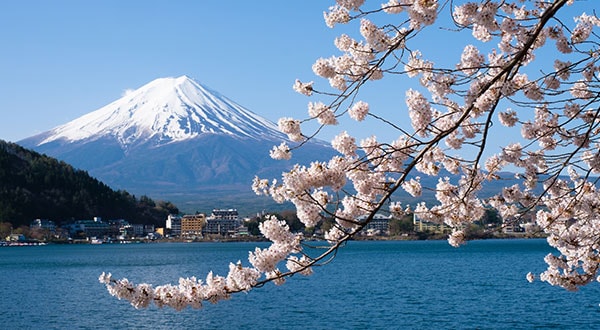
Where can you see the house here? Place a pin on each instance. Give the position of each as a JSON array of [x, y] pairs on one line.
[[379, 225], [191, 225], [223, 214], [222, 222], [15, 238], [43, 224], [140, 230], [242, 231], [421, 225], [90, 228], [173, 225], [121, 227]]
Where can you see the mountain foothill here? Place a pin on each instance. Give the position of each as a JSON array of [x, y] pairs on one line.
[[35, 186]]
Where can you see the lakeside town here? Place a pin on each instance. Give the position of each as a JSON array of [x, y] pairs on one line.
[[227, 225]]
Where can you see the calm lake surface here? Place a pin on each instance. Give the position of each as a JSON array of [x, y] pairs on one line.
[[369, 285]]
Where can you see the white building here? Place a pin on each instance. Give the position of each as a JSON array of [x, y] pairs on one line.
[[43, 224], [223, 222], [379, 225], [173, 224]]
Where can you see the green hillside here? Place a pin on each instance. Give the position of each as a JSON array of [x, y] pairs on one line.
[[37, 186]]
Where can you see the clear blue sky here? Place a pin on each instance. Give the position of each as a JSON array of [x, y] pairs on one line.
[[62, 59]]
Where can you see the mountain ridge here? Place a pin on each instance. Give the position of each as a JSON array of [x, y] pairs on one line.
[[174, 137]]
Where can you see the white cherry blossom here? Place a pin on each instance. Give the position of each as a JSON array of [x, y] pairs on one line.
[[524, 64]]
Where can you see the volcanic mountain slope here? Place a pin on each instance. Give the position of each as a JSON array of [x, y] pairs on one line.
[[172, 137]]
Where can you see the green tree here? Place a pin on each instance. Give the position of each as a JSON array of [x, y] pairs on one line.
[[403, 225]]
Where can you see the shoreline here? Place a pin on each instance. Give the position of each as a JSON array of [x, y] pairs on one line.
[[408, 237]]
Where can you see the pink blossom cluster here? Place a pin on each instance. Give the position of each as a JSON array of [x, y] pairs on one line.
[[303, 88], [281, 151], [528, 67], [573, 228], [291, 127], [553, 109], [359, 111], [419, 111], [583, 30], [191, 292], [323, 113]]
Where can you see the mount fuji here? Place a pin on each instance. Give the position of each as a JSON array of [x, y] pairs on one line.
[[175, 139], [163, 111]]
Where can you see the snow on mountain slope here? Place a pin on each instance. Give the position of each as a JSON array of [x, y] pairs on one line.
[[165, 110]]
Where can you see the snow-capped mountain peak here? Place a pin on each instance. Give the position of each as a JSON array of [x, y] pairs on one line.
[[175, 139], [166, 110]]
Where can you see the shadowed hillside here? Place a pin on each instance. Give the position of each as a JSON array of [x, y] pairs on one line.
[[37, 186]]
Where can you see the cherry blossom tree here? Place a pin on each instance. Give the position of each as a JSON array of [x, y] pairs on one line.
[[526, 69]]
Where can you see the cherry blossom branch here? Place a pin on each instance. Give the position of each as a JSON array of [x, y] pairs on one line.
[[450, 108]]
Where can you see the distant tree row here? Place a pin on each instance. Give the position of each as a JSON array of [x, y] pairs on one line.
[[397, 226], [37, 186]]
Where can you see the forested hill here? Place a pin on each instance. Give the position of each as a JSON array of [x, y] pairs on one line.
[[37, 186]]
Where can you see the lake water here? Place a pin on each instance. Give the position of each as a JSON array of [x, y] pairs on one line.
[[369, 285]]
